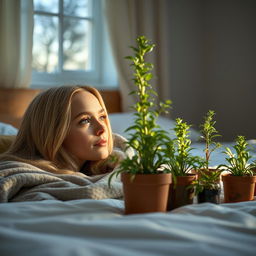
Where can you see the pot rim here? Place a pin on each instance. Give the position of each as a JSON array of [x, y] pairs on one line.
[[158, 178], [234, 177]]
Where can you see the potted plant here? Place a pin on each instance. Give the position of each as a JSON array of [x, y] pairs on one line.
[[207, 185], [145, 186], [239, 183], [181, 164]]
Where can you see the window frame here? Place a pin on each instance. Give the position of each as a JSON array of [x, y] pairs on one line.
[[95, 75]]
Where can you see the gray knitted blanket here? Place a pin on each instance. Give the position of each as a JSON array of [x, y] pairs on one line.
[[25, 182]]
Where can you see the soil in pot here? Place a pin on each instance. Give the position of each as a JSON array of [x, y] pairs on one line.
[[238, 188], [146, 192], [180, 193]]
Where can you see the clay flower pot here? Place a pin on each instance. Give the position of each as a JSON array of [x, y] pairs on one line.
[[146, 192], [254, 172], [180, 194], [209, 196], [209, 181], [238, 188]]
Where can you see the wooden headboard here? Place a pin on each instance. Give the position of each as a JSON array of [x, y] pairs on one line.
[[14, 102]]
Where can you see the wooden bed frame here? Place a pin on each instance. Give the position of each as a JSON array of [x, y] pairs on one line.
[[14, 102]]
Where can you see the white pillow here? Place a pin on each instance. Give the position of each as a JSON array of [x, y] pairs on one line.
[[121, 121], [7, 129]]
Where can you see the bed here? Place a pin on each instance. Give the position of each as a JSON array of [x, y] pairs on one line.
[[99, 226]]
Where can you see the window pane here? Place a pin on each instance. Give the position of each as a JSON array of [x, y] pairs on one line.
[[82, 8], [46, 5], [76, 44], [45, 43]]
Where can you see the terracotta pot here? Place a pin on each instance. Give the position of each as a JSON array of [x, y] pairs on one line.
[[254, 171], [180, 194], [146, 192], [209, 196], [238, 188]]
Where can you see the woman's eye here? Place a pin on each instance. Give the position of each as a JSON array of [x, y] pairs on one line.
[[103, 117], [85, 121]]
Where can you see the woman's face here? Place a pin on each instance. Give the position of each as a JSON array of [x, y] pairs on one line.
[[87, 139]]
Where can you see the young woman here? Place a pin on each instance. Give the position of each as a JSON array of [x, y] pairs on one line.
[[65, 130]]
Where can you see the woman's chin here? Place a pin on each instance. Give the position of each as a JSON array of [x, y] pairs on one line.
[[101, 156]]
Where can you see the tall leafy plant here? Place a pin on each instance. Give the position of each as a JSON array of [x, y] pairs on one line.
[[146, 138], [208, 178], [180, 159], [209, 133]]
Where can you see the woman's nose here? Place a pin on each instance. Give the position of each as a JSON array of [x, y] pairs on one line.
[[100, 128]]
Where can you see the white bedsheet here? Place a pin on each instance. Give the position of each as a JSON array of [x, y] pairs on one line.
[[98, 227]]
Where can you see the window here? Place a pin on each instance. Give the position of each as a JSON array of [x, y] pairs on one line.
[[70, 44]]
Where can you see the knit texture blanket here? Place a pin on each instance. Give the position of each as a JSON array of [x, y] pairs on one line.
[[24, 182]]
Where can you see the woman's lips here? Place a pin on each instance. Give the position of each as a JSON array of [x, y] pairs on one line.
[[101, 143]]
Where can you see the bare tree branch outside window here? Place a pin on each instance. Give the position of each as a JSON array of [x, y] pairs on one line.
[[62, 35]]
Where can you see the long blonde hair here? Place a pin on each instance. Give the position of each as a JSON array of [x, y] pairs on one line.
[[44, 127]]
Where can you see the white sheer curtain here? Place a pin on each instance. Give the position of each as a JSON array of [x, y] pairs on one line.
[[128, 19], [16, 43]]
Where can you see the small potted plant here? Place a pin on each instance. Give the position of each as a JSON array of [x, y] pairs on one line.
[[181, 164], [207, 186], [239, 183], [145, 186]]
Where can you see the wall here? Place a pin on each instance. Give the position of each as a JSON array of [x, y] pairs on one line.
[[213, 63]]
